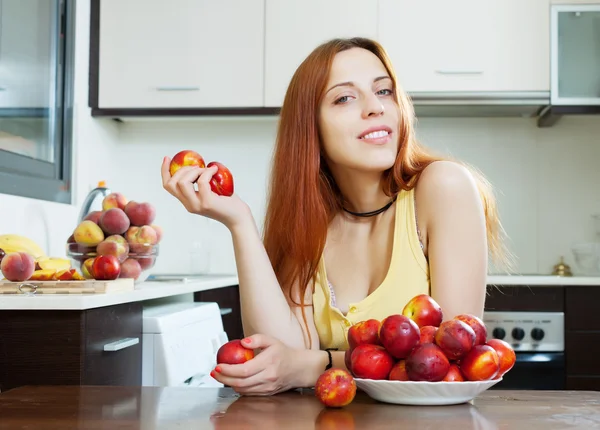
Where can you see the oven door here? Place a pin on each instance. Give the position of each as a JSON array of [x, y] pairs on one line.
[[535, 371]]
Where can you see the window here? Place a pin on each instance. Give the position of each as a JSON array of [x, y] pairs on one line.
[[36, 75]]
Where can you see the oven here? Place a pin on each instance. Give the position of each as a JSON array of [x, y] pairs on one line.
[[539, 343]]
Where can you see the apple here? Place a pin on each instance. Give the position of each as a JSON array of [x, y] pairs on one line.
[[399, 335], [427, 362], [477, 325], [186, 157], [455, 338], [221, 182], [233, 352], [364, 332], [423, 310], [481, 363], [106, 267], [335, 388], [371, 362], [506, 355], [454, 374], [398, 372], [427, 333]]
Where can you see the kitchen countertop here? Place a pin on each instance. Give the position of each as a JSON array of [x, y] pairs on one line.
[[144, 291], [75, 407]]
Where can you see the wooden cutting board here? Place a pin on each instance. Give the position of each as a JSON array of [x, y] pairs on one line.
[[89, 286]]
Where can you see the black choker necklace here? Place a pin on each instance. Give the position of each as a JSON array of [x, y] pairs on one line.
[[372, 213]]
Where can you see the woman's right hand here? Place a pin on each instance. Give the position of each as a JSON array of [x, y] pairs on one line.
[[230, 211]]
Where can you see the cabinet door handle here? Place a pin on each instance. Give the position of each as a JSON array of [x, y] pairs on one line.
[[459, 72], [177, 88], [226, 311], [121, 344]]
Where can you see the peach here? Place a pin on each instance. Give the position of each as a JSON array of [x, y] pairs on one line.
[[335, 388], [17, 266], [114, 221], [364, 332], [88, 233], [427, 333], [399, 335], [141, 239], [427, 362], [506, 355], [114, 245], [221, 182], [371, 362], [398, 372], [233, 352], [186, 157], [480, 364], [455, 338], [114, 200], [140, 213], [106, 267], [423, 310], [477, 325], [130, 268], [454, 374], [159, 232], [87, 268], [93, 216]]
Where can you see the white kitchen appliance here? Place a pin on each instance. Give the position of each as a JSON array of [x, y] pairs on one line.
[[180, 343]]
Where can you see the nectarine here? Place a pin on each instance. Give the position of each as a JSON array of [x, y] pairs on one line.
[[427, 362], [423, 310], [371, 362], [398, 372], [399, 335], [477, 325], [455, 338], [481, 363], [427, 333], [364, 332], [106, 267], [506, 355], [454, 374], [185, 158], [233, 352], [221, 182], [335, 388]]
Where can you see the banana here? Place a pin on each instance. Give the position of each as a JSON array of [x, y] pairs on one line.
[[18, 243]]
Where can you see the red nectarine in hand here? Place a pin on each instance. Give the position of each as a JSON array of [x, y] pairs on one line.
[[221, 182], [185, 158], [423, 310], [233, 352], [335, 388], [399, 335]]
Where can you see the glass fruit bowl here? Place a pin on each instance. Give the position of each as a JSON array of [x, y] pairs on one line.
[[136, 261]]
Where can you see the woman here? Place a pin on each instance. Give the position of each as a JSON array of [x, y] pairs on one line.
[[360, 219]]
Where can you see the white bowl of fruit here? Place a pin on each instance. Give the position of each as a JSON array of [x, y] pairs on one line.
[[119, 241]]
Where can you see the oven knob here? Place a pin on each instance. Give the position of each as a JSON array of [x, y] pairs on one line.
[[518, 333], [537, 334], [499, 333]]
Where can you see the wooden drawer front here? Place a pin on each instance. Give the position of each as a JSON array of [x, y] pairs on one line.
[[108, 326], [524, 298], [582, 350], [582, 308]]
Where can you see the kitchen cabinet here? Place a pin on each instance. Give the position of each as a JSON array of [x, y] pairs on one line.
[[228, 299], [99, 346], [468, 45], [293, 28], [178, 54]]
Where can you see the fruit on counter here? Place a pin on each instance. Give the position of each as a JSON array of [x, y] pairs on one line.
[[140, 213], [477, 325], [233, 352], [371, 362], [17, 266], [335, 388], [114, 200], [506, 355], [106, 267], [2, 254], [398, 372], [455, 337], [364, 332], [454, 374], [130, 268], [52, 263], [87, 268], [481, 363], [427, 362], [114, 221], [43, 275], [17, 243], [427, 333], [88, 233], [399, 335], [221, 182], [114, 245], [423, 310], [187, 157], [141, 239], [159, 232]]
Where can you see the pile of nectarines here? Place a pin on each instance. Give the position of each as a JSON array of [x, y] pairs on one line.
[[221, 182], [117, 241]]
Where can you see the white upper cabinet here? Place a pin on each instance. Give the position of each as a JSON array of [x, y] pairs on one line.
[[181, 53], [293, 28], [468, 45]]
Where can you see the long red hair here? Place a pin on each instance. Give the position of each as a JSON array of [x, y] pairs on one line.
[[303, 197]]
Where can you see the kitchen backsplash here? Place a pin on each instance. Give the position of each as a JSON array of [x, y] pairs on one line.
[[546, 181]]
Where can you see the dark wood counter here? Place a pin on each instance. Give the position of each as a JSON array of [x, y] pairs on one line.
[[85, 407]]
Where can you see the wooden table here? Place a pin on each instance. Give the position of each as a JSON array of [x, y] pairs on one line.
[[150, 408]]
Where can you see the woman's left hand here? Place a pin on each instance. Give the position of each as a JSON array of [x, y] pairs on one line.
[[273, 370]]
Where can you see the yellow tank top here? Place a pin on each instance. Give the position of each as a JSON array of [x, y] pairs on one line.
[[407, 276]]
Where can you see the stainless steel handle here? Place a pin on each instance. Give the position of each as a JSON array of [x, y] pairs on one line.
[[459, 72], [121, 344], [177, 88], [226, 311]]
